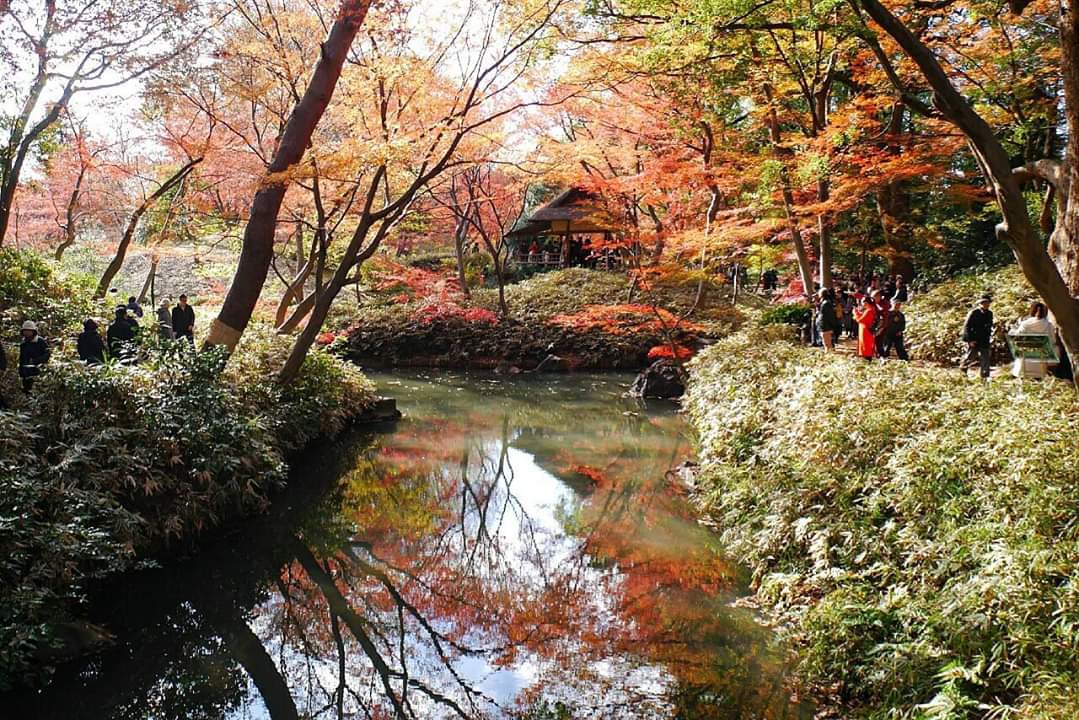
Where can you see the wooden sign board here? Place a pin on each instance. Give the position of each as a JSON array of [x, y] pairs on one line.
[[1029, 346]]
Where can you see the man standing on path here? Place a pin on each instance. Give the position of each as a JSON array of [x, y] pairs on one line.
[[183, 321], [33, 353], [978, 335]]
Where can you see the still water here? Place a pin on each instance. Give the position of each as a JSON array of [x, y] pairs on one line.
[[513, 548]]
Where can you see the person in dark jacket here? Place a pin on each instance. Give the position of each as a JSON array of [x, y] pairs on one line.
[[33, 353], [183, 321], [978, 335], [90, 345], [121, 336], [827, 321], [897, 325], [901, 294], [134, 307]]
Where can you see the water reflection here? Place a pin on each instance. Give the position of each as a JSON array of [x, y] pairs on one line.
[[511, 550]]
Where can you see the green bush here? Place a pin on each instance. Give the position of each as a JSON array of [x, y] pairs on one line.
[[31, 289], [797, 314], [935, 318], [916, 529], [109, 464]]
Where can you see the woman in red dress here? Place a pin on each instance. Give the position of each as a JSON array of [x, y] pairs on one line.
[[866, 317]]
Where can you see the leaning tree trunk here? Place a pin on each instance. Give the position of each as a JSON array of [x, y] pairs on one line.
[[150, 277], [1015, 228], [258, 242], [133, 223]]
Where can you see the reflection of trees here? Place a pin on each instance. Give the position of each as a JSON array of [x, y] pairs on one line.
[[429, 573]]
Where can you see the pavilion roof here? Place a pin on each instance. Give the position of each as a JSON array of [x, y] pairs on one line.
[[574, 210]]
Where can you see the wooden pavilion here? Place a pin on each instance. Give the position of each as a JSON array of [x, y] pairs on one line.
[[558, 233]]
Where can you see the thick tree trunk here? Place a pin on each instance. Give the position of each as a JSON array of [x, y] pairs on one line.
[[129, 233], [258, 242], [893, 207], [1064, 244], [1015, 227]]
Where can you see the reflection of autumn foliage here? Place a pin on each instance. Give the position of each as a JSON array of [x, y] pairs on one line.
[[624, 319], [437, 555]]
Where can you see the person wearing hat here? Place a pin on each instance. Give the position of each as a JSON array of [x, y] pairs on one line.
[[121, 336], [33, 353], [978, 335], [89, 344]]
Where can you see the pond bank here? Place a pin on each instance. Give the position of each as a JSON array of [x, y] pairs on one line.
[[113, 466], [514, 547], [913, 529]]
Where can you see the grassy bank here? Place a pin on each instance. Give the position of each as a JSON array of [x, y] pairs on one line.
[[586, 317], [915, 530], [103, 467]]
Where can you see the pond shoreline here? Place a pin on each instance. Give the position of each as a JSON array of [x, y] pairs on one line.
[[574, 453]]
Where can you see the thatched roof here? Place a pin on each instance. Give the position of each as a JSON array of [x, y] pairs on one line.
[[575, 211]]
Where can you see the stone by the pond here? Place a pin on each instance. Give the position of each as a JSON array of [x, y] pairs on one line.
[[381, 410], [662, 379]]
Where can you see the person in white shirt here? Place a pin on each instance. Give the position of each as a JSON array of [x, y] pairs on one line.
[[1036, 324]]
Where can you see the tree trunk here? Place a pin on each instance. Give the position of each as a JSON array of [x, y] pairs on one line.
[[825, 239], [1064, 244], [133, 223], [1015, 227], [893, 207], [150, 276], [297, 316], [258, 242], [805, 270], [459, 235]]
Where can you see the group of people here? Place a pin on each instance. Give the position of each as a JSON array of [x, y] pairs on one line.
[[120, 341], [873, 314]]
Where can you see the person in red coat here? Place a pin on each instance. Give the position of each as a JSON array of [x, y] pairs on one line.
[[866, 317]]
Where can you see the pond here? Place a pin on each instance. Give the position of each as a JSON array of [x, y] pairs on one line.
[[513, 548]]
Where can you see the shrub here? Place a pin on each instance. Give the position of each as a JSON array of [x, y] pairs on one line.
[[915, 528], [935, 319], [31, 289], [797, 314], [112, 463]]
